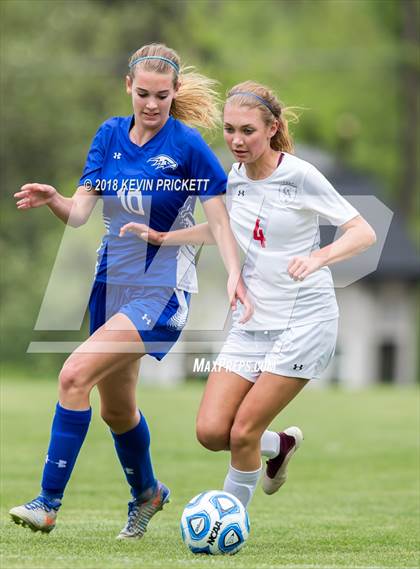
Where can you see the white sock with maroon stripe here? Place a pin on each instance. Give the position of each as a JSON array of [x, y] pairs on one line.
[[270, 444], [242, 484]]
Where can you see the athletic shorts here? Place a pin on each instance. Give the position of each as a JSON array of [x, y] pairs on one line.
[[299, 351], [158, 313]]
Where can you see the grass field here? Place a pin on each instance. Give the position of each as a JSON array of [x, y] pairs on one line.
[[351, 499]]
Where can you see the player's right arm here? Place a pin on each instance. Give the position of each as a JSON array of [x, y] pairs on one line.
[[74, 211]]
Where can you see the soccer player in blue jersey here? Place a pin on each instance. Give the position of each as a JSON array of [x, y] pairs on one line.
[[274, 201], [148, 167]]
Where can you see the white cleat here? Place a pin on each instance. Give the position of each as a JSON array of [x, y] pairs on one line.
[[38, 515], [275, 474]]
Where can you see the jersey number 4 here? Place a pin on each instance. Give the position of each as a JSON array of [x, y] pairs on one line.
[[259, 233]]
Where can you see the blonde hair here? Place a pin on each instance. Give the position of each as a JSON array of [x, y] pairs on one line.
[[254, 95], [197, 102]]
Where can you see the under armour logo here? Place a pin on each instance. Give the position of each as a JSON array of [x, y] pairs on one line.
[[241, 192], [296, 366], [117, 155], [59, 463], [148, 320], [259, 233]]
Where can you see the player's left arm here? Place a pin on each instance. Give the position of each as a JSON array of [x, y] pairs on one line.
[[218, 219], [357, 236], [195, 235]]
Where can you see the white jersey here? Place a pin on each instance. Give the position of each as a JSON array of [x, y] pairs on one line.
[[273, 220]]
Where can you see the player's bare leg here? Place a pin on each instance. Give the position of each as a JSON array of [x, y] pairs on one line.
[[267, 398], [223, 394], [270, 394], [110, 349], [118, 392]]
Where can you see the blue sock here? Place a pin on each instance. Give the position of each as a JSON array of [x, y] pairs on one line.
[[133, 451], [68, 432]]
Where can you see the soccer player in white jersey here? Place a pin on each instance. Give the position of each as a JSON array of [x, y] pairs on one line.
[[274, 200], [148, 167]]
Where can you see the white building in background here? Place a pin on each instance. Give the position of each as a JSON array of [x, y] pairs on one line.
[[379, 320]]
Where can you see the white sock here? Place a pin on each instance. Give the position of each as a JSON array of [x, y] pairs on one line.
[[270, 444], [242, 484]]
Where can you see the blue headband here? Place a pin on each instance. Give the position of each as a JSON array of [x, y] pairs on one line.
[[249, 94], [174, 65]]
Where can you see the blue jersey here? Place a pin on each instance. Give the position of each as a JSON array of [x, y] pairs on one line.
[[156, 184]]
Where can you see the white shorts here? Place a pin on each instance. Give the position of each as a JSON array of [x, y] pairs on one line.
[[300, 351]]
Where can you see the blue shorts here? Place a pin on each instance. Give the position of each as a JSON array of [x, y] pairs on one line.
[[158, 313]]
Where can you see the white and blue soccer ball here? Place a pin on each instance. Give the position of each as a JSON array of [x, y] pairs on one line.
[[214, 522]]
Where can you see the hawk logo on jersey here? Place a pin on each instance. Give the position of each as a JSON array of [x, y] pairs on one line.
[[162, 162], [259, 233], [287, 192]]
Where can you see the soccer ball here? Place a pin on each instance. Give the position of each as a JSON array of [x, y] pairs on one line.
[[214, 522]]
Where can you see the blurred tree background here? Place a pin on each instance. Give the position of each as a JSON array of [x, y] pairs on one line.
[[352, 64]]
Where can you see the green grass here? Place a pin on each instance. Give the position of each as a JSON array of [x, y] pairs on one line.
[[351, 500]]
